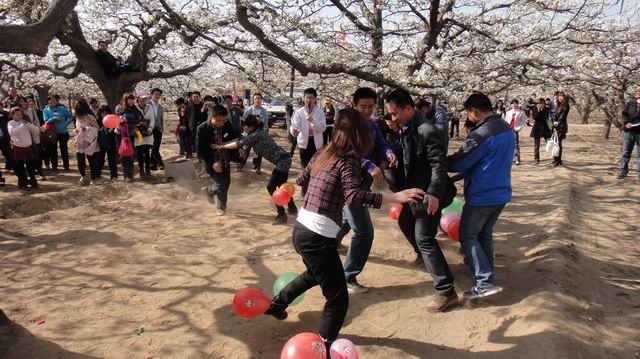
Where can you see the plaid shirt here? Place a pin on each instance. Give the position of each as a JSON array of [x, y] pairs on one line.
[[335, 184]]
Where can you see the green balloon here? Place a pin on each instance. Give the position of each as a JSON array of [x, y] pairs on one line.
[[455, 206], [282, 282]]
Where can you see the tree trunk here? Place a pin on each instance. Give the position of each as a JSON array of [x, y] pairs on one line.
[[607, 129], [43, 94], [293, 79], [586, 110]]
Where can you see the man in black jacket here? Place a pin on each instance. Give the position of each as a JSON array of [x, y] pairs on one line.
[[195, 116], [424, 161], [631, 136], [217, 131], [111, 65]]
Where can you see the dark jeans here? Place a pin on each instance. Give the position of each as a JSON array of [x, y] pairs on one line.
[[144, 157], [62, 140], [94, 164], [421, 234], [629, 140], [220, 187], [306, 154], [357, 219], [536, 148], [324, 268], [476, 238], [21, 169], [326, 135], [516, 152], [185, 140], [454, 124], [5, 147], [277, 178], [43, 158], [156, 158]]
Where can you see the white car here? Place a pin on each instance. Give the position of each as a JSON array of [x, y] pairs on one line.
[[277, 112]]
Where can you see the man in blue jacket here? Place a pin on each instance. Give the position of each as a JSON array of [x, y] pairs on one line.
[[485, 160], [60, 117]]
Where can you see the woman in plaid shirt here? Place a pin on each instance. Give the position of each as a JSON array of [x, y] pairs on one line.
[[333, 177]]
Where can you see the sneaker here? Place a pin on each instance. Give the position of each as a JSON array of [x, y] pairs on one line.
[[353, 287], [81, 181], [442, 303], [221, 212], [92, 183], [128, 179], [280, 219], [621, 175], [277, 310], [292, 210], [475, 293], [419, 261], [517, 162]]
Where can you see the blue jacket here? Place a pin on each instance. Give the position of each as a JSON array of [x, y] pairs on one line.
[[485, 160], [61, 113], [378, 152]]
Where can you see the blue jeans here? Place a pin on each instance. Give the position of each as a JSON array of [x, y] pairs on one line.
[[359, 220], [628, 141], [476, 238]]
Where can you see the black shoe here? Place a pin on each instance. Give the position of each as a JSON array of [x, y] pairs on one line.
[[292, 210], [153, 168], [258, 170], [280, 219], [277, 309], [621, 175]]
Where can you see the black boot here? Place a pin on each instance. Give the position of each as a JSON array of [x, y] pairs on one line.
[[293, 210], [278, 309]]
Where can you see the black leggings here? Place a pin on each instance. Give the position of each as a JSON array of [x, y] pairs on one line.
[[21, 169], [94, 162], [62, 140], [144, 157], [324, 268]]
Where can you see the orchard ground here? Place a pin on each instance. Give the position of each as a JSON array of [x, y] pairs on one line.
[[97, 263]]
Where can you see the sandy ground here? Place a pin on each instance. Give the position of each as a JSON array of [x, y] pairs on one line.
[[96, 263]]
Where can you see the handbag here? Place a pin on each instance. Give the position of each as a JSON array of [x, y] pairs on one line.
[[553, 148], [126, 148], [103, 140]]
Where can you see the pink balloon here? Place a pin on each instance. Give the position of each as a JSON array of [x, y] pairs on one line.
[[250, 302], [343, 349], [446, 220], [304, 346], [111, 121], [281, 197]]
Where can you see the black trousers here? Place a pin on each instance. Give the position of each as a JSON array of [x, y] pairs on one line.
[[277, 178], [421, 234], [324, 268], [43, 158], [536, 148], [112, 156], [220, 187], [454, 124], [21, 169], [326, 135], [144, 157], [156, 158], [62, 140], [306, 154], [559, 158], [185, 138], [94, 164]]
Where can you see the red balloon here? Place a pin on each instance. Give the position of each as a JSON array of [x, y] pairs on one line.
[[250, 302], [454, 228], [111, 121], [447, 219], [394, 212], [281, 197], [304, 346]]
